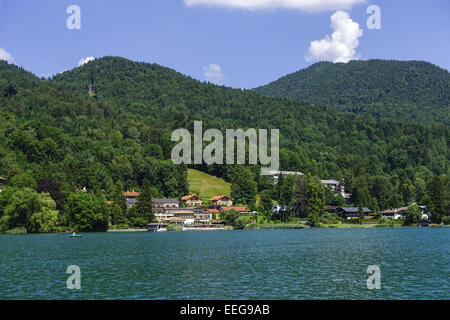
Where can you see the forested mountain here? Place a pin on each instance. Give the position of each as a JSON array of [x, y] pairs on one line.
[[400, 90], [56, 129]]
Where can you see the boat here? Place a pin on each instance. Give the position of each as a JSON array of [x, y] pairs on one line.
[[424, 223], [76, 236], [156, 227]]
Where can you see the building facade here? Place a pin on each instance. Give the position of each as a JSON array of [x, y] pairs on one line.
[[222, 200], [351, 212], [159, 205], [192, 200]]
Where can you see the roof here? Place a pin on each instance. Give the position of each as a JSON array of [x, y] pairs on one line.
[[131, 194], [3, 179], [185, 198], [238, 209], [213, 210], [165, 200], [354, 209], [219, 197], [395, 210], [331, 181]]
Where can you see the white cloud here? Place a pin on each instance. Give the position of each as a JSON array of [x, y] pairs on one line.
[[5, 55], [303, 5], [341, 46], [85, 60], [213, 73]]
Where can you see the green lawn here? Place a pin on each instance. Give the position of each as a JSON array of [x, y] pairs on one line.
[[207, 186]]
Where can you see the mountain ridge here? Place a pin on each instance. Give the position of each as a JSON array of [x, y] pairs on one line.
[[415, 91]]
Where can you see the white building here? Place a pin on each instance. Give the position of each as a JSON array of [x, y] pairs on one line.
[[338, 187]]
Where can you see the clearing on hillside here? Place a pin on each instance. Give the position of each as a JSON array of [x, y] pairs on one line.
[[207, 186]]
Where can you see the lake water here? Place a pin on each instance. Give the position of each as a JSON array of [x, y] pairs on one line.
[[258, 264]]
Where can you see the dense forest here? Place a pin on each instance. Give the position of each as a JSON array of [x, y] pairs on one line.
[[58, 137], [412, 91]]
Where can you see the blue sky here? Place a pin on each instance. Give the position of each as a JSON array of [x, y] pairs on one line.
[[240, 47]]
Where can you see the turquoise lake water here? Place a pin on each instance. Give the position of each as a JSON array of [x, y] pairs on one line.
[[258, 264]]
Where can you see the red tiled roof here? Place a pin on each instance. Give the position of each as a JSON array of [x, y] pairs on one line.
[[238, 209], [131, 194], [185, 198], [213, 210], [219, 198]]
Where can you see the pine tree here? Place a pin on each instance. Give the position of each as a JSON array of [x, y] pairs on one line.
[[299, 205], [436, 192], [118, 206], [143, 208]]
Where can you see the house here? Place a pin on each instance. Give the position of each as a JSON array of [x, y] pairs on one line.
[[241, 209], [131, 198], [204, 217], [351, 212], [214, 211], [222, 200], [192, 200], [2, 183], [188, 215], [160, 204], [277, 208], [337, 186], [399, 213]]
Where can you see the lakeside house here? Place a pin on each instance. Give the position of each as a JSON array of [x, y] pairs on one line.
[[242, 210], [192, 200], [159, 205], [398, 213], [221, 200], [131, 198], [188, 216], [351, 212], [168, 210]]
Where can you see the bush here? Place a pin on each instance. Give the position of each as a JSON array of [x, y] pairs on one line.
[[446, 220], [138, 222], [385, 222]]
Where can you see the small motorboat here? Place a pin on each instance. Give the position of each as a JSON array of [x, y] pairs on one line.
[[74, 235], [424, 223]]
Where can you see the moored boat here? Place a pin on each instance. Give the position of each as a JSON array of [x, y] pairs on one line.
[[156, 227], [424, 223]]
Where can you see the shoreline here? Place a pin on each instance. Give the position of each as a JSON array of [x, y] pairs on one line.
[[258, 227]]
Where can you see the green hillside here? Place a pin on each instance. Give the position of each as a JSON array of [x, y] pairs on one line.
[[401, 90], [54, 129], [207, 186]]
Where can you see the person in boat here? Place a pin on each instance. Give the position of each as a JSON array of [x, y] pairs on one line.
[[74, 234]]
